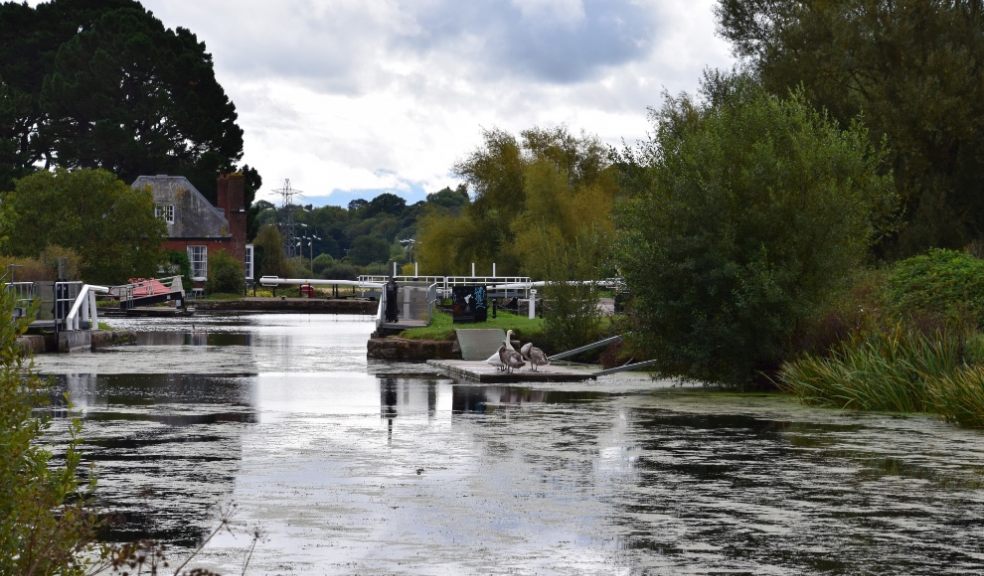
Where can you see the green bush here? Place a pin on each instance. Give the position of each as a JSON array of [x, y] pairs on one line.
[[745, 214], [942, 285], [178, 264], [225, 273], [44, 525], [858, 307]]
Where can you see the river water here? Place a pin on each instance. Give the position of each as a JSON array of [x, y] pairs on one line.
[[352, 467]]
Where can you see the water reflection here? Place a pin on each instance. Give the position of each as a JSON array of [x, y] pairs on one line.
[[347, 471], [472, 399], [411, 396], [166, 448], [197, 336]]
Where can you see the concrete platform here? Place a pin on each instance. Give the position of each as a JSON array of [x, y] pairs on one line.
[[479, 371]]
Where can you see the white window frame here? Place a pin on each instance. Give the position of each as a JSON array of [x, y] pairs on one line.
[[248, 262], [198, 259], [164, 212]]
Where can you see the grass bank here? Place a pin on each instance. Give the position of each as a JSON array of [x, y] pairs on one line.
[[442, 326]]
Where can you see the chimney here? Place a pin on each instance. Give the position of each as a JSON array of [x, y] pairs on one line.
[[231, 199]]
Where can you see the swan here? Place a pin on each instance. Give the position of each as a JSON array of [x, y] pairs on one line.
[[534, 356], [537, 358], [494, 360], [509, 335], [510, 359]]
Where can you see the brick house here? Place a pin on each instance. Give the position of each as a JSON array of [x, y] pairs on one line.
[[197, 227]]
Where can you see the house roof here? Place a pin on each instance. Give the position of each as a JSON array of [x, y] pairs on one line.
[[194, 216]]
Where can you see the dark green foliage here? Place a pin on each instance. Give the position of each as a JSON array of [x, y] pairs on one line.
[[178, 264], [104, 84], [746, 213], [321, 262], [269, 252], [43, 523], [910, 70], [945, 284], [453, 201], [367, 249], [110, 226], [225, 273], [337, 271], [571, 316], [386, 203]]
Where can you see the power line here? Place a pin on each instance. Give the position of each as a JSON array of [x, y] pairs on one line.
[[288, 229]]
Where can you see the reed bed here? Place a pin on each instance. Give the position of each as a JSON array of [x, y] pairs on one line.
[[899, 370], [959, 396]]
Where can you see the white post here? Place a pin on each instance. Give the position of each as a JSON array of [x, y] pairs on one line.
[[473, 269], [394, 267], [93, 312], [532, 303], [416, 273], [493, 269]]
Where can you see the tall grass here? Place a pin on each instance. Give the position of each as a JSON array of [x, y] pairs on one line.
[[881, 371], [959, 396], [899, 370]]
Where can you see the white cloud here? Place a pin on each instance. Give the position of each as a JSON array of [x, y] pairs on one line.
[[352, 95]]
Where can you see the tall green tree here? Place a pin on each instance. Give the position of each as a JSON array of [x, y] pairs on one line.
[[269, 247], [911, 70], [747, 210], [111, 226], [106, 85]]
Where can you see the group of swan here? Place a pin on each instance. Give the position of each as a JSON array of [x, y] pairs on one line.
[[508, 359]]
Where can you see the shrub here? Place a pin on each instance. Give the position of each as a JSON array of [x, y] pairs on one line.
[[43, 523], [225, 273], [746, 214], [942, 285], [178, 264]]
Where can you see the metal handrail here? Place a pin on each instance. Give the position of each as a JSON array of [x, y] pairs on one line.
[[87, 295]]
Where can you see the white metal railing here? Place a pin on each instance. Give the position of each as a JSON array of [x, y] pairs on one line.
[[446, 282], [84, 311], [402, 278], [381, 309], [278, 281]]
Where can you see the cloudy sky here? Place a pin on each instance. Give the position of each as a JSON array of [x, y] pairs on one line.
[[348, 98]]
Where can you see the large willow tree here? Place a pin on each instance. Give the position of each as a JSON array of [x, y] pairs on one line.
[[542, 207]]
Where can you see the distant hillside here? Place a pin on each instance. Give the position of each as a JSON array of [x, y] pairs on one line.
[[343, 197]]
